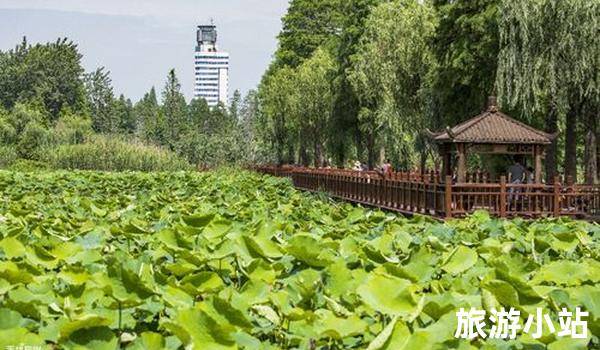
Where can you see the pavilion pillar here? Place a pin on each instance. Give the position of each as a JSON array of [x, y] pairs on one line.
[[446, 160], [538, 152], [461, 170]]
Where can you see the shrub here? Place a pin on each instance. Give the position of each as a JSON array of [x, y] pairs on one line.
[[72, 130], [110, 153], [8, 156], [8, 134], [33, 140], [24, 114], [26, 165]]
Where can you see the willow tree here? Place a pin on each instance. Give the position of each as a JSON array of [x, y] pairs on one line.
[[390, 74], [548, 65], [275, 125], [315, 103]]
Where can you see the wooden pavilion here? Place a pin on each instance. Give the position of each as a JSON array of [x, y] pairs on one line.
[[491, 132]]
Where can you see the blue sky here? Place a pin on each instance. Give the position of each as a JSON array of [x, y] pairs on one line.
[[139, 41]]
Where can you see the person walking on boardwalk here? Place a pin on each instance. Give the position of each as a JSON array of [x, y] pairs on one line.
[[516, 175], [387, 168]]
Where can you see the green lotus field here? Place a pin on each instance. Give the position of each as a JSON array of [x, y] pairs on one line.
[[236, 260]]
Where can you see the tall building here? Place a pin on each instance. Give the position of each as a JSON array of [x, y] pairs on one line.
[[211, 67]]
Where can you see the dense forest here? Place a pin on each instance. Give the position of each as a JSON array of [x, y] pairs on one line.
[[360, 79], [54, 114]]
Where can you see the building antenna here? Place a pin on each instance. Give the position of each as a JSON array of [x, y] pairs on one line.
[[212, 21]]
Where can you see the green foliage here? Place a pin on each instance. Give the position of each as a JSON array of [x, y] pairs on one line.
[[174, 110], [407, 65], [72, 130], [100, 100], [390, 75], [8, 156], [235, 260], [314, 103], [234, 106], [27, 165], [8, 134], [466, 48], [111, 153], [296, 109], [225, 148], [549, 52], [344, 141], [48, 104], [149, 117], [23, 114], [33, 141], [50, 72], [548, 73], [307, 25], [278, 98], [123, 110]]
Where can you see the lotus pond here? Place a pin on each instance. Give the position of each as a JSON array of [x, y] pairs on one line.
[[235, 260]]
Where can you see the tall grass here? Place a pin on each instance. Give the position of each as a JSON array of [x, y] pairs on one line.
[[109, 153]]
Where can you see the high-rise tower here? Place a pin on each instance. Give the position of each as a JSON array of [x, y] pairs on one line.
[[211, 66]]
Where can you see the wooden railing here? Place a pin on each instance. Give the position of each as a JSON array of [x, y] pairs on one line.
[[425, 193]]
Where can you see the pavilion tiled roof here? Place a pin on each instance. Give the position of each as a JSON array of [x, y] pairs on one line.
[[493, 127]]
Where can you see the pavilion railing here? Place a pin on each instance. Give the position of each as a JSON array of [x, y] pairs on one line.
[[426, 193]]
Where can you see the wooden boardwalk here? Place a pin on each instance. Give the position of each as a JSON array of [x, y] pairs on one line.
[[428, 194]]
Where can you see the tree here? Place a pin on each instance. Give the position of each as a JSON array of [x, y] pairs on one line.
[[548, 65], [174, 109], [249, 115], [278, 96], [307, 25], [234, 106], [353, 14], [23, 114], [51, 72], [199, 114], [124, 115], [315, 99], [100, 100], [391, 72], [149, 118], [466, 49]]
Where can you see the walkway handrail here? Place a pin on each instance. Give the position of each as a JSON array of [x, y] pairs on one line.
[[426, 193]]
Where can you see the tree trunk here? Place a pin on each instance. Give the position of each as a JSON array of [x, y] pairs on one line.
[[317, 152], [423, 161], [371, 150], [591, 147], [291, 157], [598, 155], [279, 151], [304, 160], [552, 149], [571, 143], [359, 145]]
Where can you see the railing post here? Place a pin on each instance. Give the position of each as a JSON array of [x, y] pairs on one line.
[[502, 212], [448, 197], [556, 196], [435, 195]]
